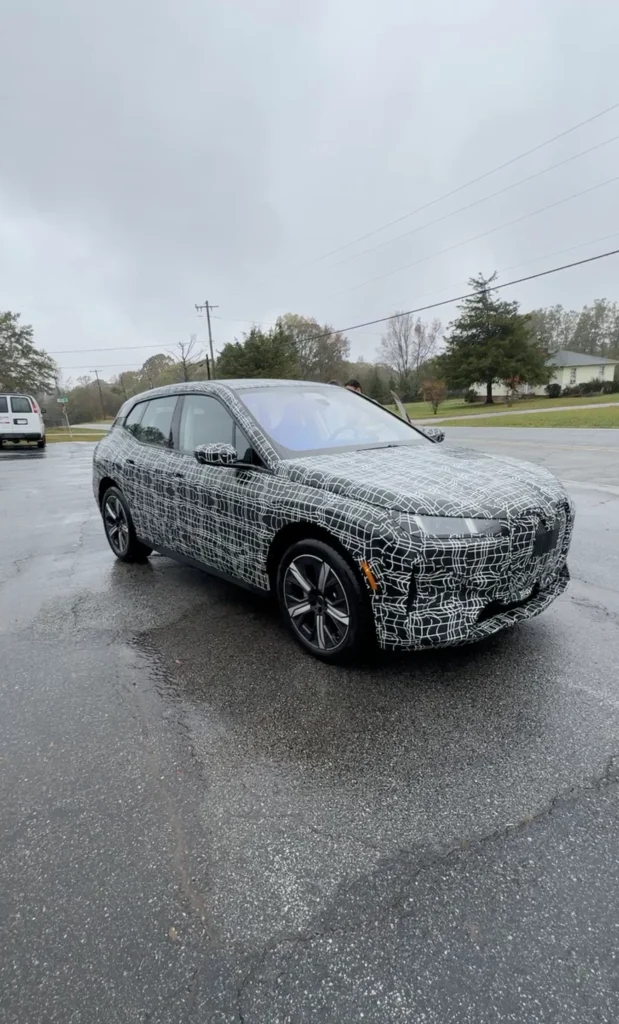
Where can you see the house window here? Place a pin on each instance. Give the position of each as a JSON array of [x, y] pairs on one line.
[[573, 375]]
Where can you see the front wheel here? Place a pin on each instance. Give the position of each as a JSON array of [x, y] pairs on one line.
[[119, 528], [323, 602]]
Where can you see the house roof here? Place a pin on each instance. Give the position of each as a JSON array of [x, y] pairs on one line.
[[563, 358]]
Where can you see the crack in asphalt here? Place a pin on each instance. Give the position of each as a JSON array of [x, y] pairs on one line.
[[608, 777], [594, 606]]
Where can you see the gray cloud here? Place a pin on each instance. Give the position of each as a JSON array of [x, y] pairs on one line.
[[154, 155]]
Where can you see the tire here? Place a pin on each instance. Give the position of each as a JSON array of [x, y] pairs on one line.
[[42, 443], [323, 602], [119, 528]]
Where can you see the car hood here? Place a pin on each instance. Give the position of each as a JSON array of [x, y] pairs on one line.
[[424, 479]]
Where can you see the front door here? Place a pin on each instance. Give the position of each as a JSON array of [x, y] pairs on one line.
[[220, 510]]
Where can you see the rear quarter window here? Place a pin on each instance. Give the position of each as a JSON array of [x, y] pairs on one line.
[[21, 405], [4, 404], [132, 420]]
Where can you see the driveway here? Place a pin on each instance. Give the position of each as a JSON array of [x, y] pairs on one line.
[[200, 823]]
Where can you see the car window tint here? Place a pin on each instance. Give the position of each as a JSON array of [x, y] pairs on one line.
[[4, 405], [204, 421], [135, 415], [20, 405], [156, 422]]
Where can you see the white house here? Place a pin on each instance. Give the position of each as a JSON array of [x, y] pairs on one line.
[[570, 368]]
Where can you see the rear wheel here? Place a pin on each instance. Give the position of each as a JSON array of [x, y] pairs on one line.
[[323, 602], [119, 528], [42, 443]]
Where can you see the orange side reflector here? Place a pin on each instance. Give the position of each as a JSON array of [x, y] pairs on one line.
[[369, 575]]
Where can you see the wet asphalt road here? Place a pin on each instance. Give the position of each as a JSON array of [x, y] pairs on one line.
[[200, 823]]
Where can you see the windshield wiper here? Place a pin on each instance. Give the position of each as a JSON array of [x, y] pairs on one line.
[[380, 445]]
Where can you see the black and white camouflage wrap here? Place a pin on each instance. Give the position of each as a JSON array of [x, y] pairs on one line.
[[431, 592]]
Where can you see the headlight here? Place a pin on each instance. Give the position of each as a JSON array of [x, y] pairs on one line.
[[448, 528]]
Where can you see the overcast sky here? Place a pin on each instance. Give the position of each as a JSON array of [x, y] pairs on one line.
[[156, 154]]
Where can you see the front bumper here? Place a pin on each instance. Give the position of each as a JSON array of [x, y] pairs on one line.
[[443, 595]]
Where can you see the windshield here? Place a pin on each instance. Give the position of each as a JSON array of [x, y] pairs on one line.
[[308, 419]]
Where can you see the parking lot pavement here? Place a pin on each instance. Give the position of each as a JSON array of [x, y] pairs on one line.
[[201, 823]]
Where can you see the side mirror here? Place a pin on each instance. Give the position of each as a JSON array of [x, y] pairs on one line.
[[216, 454], [43, 411], [434, 433]]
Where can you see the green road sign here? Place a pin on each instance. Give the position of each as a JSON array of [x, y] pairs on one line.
[[63, 401]]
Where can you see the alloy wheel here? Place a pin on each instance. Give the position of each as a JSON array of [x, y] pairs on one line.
[[116, 525], [316, 602]]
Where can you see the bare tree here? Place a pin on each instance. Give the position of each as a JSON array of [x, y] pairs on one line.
[[407, 345], [186, 357]]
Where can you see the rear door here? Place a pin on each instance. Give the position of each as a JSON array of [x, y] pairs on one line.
[[6, 426], [148, 466], [25, 417]]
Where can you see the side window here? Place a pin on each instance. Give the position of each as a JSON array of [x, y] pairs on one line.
[[20, 405], [156, 423], [4, 404], [132, 421], [204, 421]]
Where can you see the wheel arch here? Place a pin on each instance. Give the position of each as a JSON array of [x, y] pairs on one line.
[[104, 485], [293, 532]]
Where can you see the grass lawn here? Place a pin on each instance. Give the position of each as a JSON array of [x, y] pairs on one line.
[[456, 407], [85, 435], [570, 418]]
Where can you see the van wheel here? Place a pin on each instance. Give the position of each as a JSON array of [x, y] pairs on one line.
[[42, 444], [323, 602], [119, 528]]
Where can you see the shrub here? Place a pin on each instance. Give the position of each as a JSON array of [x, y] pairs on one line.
[[553, 390], [434, 392], [470, 396], [591, 387], [610, 387]]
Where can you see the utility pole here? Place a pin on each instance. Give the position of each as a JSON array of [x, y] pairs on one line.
[[206, 308], [96, 373]]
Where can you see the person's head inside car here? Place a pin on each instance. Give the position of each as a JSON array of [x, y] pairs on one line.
[[354, 385]]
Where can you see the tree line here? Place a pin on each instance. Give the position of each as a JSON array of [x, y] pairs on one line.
[[490, 342]]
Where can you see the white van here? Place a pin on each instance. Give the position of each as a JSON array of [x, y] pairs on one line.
[[21, 420]]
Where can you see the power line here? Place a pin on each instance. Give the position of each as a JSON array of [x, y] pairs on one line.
[[474, 238], [112, 366], [467, 184], [449, 302], [501, 270], [470, 295], [114, 348], [527, 263], [476, 202]]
